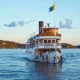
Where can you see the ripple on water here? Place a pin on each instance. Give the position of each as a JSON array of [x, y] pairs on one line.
[[14, 66]]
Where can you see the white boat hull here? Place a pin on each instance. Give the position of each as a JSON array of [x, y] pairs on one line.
[[34, 57]]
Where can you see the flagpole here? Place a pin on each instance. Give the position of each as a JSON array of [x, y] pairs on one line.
[[55, 26], [54, 15]]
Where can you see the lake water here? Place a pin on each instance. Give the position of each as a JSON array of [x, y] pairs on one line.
[[14, 66]]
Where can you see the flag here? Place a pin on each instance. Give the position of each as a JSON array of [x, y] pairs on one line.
[[52, 8]]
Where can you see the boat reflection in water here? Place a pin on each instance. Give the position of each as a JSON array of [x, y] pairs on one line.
[[48, 71]]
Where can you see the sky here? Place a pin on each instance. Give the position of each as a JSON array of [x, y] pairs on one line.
[[19, 18]]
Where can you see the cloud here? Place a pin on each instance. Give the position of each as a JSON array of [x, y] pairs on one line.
[[29, 21], [19, 23], [67, 25], [12, 24], [22, 23]]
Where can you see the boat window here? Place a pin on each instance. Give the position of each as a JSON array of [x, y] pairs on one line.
[[53, 41], [47, 29], [49, 41], [44, 30], [45, 41]]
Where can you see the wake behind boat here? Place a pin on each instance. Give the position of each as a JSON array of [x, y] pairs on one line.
[[45, 46]]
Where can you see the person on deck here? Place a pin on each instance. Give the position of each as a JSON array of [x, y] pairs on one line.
[[43, 54], [58, 55], [54, 55], [47, 53]]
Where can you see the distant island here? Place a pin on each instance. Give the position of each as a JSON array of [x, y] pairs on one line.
[[11, 44]]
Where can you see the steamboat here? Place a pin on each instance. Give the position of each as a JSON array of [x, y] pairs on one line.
[[45, 45]]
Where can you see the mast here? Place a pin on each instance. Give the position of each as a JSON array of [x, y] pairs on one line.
[[54, 16], [54, 25], [51, 9]]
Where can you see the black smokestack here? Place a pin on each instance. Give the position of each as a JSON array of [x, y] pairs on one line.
[[41, 25]]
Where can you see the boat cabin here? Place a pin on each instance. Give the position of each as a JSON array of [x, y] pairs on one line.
[[48, 38]]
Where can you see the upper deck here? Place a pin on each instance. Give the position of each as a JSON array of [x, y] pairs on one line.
[[48, 33], [48, 36]]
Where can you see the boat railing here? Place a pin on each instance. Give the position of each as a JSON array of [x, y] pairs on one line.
[[49, 44], [48, 34]]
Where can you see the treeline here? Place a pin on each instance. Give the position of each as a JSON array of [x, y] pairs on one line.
[[77, 46], [66, 45], [10, 44]]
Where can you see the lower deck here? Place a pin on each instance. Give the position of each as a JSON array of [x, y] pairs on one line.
[[44, 55]]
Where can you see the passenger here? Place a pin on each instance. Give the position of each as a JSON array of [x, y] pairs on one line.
[[43, 56], [54, 55], [47, 53], [40, 53], [58, 55]]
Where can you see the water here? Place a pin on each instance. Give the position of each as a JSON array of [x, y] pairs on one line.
[[14, 66]]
